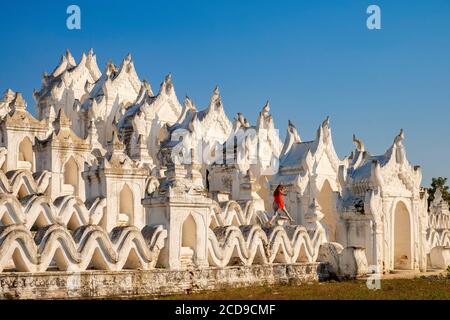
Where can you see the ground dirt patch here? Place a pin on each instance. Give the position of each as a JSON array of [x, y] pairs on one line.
[[435, 288]]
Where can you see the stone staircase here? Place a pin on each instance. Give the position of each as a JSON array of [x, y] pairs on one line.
[[187, 257]]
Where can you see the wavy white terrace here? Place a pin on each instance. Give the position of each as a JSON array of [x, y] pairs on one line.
[[113, 175]]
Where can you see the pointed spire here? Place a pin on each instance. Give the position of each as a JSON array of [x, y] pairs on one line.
[[194, 124], [94, 104], [63, 60], [90, 53], [168, 78], [8, 95], [215, 101], [187, 108], [36, 95], [358, 143], [168, 81], [189, 104], [315, 205], [70, 58], [126, 63], [93, 136], [92, 129], [323, 133], [83, 59], [5, 108], [292, 130], [400, 137], [400, 154], [326, 122], [266, 108], [167, 84], [88, 87], [216, 90], [292, 137], [115, 137], [62, 121], [91, 64], [115, 145], [109, 63], [242, 121], [144, 92], [313, 215], [45, 79], [60, 68], [18, 104], [147, 87], [264, 120], [110, 68]]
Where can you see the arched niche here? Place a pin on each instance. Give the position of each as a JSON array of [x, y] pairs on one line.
[[326, 202], [25, 158], [71, 176], [188, 240], [161, 136], [402, 238], [126, 206]]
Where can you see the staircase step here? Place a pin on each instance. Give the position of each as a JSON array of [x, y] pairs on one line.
[[402, 271]]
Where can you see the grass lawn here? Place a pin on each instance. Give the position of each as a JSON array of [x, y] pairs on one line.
[[418, 288]]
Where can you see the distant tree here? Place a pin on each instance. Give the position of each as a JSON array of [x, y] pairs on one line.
[[438, 183]]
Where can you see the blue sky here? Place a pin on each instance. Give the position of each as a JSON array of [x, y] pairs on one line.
[[309, 58]]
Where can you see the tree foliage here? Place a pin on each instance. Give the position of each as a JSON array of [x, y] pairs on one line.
[[438, 183]]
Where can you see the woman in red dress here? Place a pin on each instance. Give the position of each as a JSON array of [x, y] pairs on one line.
[[278, 204]]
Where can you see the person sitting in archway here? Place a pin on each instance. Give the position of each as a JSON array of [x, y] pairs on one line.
[[278, 204]]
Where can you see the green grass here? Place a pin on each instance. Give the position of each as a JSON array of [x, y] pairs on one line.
[[437, 288]]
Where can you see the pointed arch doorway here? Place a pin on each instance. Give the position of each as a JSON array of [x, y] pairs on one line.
[[402, 238]]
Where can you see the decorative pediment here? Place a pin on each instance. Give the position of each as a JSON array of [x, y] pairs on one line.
[[213, 120], [117, 159], [5, 103], [325, 145], [126, 74], [66, 62], [240, 122], [165, 105], [324, 165], [311, 156], [391, 171], [63, 135], [67, 77], [114, 91], [188, 111], [19, 117], [267, 131], [292, 137]]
